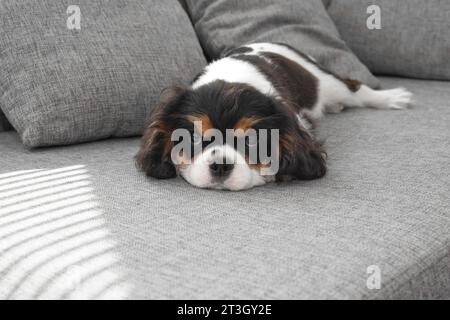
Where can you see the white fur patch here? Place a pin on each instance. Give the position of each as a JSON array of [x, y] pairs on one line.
[[236, 71], [398, 98]]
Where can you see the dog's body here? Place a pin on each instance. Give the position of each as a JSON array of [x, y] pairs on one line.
[[260, 86], [280, 71]]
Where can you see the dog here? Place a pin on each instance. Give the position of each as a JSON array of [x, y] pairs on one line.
[[260, 86]]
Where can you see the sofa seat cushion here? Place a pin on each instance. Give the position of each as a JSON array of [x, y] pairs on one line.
[[82, 222]]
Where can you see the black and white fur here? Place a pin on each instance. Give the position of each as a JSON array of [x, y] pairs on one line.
[[281, 81], [332, 92]]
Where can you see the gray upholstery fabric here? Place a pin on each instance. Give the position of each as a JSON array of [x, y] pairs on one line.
[[61, 86], [414, 39], [101, 229], [4, 123], [305, 25]]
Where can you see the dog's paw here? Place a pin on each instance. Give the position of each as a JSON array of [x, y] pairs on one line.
[[396, 99], [335, 108]]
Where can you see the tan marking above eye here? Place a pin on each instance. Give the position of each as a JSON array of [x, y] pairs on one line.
[[204, 119], [245, 123]]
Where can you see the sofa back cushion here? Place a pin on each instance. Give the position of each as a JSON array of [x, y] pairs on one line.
[[92, 71], [305, 25], [414, 39]]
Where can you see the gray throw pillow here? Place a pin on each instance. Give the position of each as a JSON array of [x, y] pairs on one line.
[[61, 85], [305, 25], [414, 39]]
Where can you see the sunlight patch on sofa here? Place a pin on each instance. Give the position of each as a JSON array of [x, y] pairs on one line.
[[54, 243]]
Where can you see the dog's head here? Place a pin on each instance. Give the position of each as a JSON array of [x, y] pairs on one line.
[[227, 136]]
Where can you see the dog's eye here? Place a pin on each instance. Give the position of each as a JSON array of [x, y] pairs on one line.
[[196, 138], [251, 141]]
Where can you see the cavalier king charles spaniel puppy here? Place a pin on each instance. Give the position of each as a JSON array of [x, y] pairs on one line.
[[268, 89]]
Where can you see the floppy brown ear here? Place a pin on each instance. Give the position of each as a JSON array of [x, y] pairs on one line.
[[154, 155], [301, 156]]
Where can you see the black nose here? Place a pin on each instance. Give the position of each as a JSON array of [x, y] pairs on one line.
[[221, 169]]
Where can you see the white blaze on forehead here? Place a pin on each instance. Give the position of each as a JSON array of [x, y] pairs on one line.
[[235, 71], [218, 153]]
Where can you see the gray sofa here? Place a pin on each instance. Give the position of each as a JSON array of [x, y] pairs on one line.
[[81, 222]]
